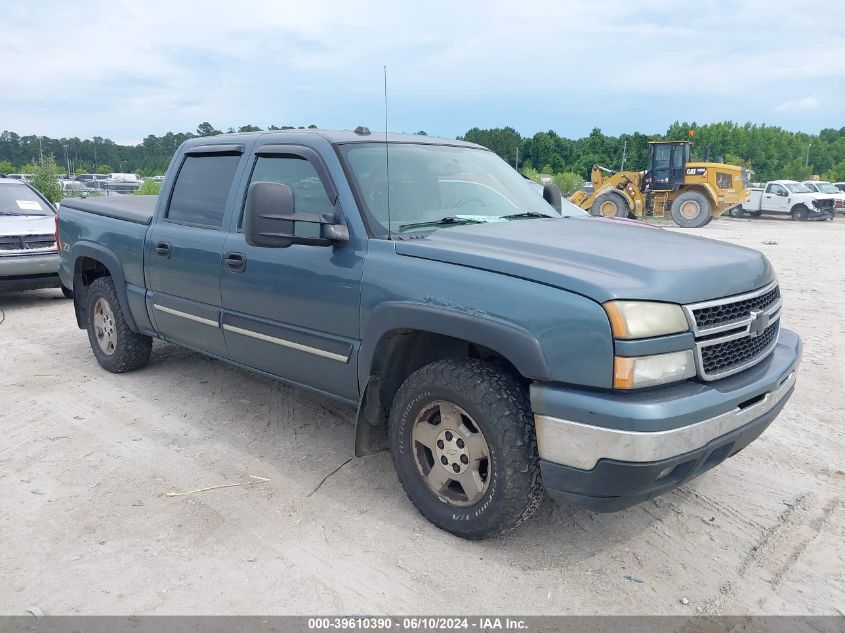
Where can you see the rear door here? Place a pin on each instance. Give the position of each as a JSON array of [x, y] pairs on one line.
[[184, 249], [294, 312]]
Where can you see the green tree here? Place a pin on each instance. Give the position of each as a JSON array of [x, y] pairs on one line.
[[834, 174], [796, 170], [568, 181], [206, 129], [6, 167], [149, 188], [104, 169], [44, 179]]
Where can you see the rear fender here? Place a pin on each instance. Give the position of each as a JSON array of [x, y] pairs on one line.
[[107, 258]]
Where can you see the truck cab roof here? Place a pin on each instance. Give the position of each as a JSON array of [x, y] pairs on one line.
[[335, 137]]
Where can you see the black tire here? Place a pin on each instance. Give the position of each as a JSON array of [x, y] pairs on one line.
[[67, 292], [129, 350], [800, 213], [497, 405], [736, 212], [610, 205], [691, 210]]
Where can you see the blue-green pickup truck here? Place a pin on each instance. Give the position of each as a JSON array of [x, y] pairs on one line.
[[499, 346]]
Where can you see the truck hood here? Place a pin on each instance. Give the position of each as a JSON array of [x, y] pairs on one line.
[[15, 225], [600, 259]]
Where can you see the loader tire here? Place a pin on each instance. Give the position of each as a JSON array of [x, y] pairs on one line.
[[691, 210], [610, 205]]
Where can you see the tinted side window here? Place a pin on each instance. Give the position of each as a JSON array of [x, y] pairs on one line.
[[299, 174], [202, 186]]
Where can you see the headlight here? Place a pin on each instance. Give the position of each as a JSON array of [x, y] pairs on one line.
[[642, 319], [645, 371]]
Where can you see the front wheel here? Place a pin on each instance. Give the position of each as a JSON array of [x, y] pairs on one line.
[[691, 210], [800, 213], [116, 347], [464, 447], [610, 205], [67, 292]]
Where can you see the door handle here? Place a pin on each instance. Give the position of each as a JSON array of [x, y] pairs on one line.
[[235, 262], [163, 249]]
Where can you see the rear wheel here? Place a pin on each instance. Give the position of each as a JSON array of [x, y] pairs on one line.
[[116, 347], [800, 213], [691, 210], [610, 205], [464, 448]]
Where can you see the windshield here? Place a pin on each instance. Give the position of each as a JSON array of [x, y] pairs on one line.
[[797, 187], [826, 188], [21, 200], [440, 186]]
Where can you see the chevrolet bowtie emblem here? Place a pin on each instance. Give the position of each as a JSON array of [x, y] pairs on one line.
[[759, 323]]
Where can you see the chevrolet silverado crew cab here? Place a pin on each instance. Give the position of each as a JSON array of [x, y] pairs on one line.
[[497, 346], [790, 198]]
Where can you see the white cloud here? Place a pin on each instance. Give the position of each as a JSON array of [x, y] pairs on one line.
[[807, 103], [123, 69]]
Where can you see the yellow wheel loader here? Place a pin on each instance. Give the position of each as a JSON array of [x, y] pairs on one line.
[[692, 193]]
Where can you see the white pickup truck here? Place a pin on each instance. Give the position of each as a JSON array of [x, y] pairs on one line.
[[787, 197], [829, 190]]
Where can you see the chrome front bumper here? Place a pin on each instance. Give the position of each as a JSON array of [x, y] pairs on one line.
[[581, 446]]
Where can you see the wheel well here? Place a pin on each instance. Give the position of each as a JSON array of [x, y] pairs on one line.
[[398, 354], [85, 271]]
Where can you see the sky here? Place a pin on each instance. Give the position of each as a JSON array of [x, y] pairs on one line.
[[122, 70]]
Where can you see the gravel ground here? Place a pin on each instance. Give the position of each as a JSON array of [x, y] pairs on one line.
[[87, 457]]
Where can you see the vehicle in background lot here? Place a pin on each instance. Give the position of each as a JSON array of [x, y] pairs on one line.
[[21, 177], [828, 190], [91, 178], [282, 252], [692, 192], [124, 177], [787, 197], [29, 258]]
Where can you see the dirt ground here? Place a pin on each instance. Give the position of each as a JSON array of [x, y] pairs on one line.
[[87, 457]]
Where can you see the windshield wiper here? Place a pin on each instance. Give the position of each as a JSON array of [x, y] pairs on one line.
[[525, 214], [448, 220]]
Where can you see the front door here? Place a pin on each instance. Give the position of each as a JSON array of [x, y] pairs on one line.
[[775, 198], [184, 252], [294, 312]]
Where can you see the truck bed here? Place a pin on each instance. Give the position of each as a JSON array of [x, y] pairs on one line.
[[138, 209]]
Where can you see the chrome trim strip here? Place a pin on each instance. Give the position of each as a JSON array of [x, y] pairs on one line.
[[581, 446], [690, 309], [185, 315], [285, 343]]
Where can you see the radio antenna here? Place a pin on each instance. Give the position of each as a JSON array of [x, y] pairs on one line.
[[387, 157]]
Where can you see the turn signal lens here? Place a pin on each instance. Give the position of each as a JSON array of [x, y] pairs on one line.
[[634, 372]]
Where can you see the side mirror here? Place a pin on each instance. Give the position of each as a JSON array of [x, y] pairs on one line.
[[552, 195], [271, 220]]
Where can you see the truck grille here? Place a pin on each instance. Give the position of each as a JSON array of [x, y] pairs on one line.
[[28, 243], [735, 333], [721, 357], [727, 313]]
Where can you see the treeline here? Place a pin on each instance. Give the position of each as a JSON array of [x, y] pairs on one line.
[[150, 158], [770, 151]]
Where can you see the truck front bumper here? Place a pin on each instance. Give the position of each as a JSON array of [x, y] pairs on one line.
[[29, 272], [607, 451]]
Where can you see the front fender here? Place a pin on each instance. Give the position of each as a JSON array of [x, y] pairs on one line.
[[516, 344]]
